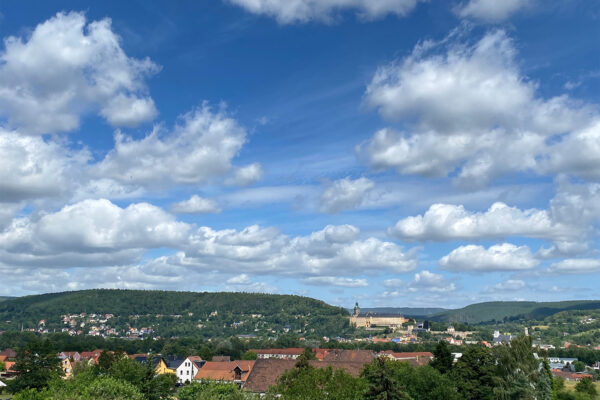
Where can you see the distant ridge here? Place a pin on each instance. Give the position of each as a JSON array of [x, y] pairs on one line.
[[499, 311]]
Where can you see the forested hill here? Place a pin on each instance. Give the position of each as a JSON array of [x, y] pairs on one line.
[[182, 312], [5, 298], [511, 310]]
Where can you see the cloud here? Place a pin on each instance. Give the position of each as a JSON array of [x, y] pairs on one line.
[[490, 10], [245, 176], [31, 167], [266, 251], [196, 205], [576, 266], [393, 283], [511, 285], [302, 11], [241, 279], [443, 222], [67, 68], [199, 149], [468, 110], [500, 257], [345, 194], [90, 233], [430, 282], [335, 281]]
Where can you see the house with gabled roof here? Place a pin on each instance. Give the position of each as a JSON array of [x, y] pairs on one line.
[[225, 371], [188, 369], [266, 372]]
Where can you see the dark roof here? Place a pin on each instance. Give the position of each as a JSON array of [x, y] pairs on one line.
[[174, 363], [266, 372]]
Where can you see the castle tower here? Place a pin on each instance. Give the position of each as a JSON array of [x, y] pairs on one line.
[[356, 309]]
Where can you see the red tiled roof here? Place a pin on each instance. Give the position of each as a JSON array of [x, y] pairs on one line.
[[570, 375], [288, 351], [224, 370], [363, 356], [266, 372]]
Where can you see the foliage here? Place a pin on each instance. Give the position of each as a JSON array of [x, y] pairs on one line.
[[309, 383], [36, 365], [249, 355], [579, 366], [475, 373], [443, 358], [381, 381], [212, 391], [178, 313], [586, 385]]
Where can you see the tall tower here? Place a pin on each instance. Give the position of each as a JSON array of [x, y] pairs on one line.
[[356, 309]]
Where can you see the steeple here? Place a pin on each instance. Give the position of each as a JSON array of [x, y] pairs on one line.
[[356, 309]]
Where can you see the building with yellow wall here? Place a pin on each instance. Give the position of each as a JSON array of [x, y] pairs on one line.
[[372, 319]]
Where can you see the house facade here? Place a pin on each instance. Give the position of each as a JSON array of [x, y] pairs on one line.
[[188, 369], [371, 319]]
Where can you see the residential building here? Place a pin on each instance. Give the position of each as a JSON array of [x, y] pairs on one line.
[[266, 372], [188, 369], [291, 353], [225, 371]]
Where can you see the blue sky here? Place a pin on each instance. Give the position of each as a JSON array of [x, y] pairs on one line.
[[395, 153]]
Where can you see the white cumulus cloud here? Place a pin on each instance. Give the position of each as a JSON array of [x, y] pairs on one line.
[[443, 222], [500, 257], [576, 266], [468, 108], [431, 282], [68, 67], [196, 205], [345, 194], [198, 149]]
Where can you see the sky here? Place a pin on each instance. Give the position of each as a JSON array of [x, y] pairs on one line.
[[426, 153]]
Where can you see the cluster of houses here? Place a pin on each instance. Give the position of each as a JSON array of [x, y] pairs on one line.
[[253, 375], [95, 325]]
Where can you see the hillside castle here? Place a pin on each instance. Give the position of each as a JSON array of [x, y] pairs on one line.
[[372, 319]]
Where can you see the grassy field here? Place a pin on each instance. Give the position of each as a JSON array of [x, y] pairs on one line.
[[571, 385]]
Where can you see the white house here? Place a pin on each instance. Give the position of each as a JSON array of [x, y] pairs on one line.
[[188, 369]]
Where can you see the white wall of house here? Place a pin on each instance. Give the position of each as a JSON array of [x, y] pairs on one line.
[[186, 371]]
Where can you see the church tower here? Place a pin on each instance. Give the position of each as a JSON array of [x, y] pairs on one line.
[[356, 309]]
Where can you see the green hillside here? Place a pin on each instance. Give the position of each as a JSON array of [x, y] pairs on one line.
[[178, 313], [5, 298], [511, 310]]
